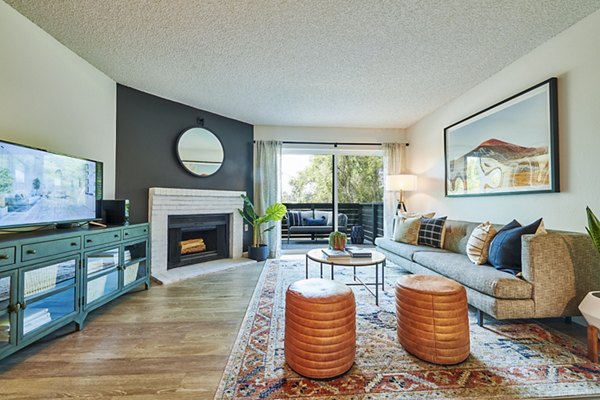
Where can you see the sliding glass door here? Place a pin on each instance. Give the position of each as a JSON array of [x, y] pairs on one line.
[[360, 193], [307, 186], [329, 188]]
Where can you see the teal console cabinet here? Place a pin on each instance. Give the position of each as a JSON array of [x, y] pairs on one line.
[[53, 278]]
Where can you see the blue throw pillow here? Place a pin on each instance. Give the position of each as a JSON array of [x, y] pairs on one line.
[[315, 221], [505, 249]]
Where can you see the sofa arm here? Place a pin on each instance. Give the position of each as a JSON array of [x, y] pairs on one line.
[[563, 267]]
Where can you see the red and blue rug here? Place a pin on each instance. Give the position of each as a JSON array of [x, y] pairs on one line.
[[508, 360]]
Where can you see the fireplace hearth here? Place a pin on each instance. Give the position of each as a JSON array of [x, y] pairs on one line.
[[198, 238]]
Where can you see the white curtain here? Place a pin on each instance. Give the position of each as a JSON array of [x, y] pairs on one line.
[[393, 164], [267, 188]]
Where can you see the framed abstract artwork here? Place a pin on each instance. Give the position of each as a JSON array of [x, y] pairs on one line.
[[508, 148]]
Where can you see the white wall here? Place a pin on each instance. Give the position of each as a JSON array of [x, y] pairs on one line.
[[53, 99], [574, 57], [315, 134]]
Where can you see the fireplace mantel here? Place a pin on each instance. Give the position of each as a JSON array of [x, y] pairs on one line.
[[163, 202]]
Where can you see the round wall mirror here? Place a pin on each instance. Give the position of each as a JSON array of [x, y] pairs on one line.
[[200, 151]]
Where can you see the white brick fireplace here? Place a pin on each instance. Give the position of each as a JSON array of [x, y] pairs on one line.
[[168, 201]]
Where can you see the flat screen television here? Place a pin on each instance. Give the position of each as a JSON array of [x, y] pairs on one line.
[[38, 187]]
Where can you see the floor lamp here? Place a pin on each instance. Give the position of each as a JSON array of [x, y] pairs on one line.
[[401, 183]]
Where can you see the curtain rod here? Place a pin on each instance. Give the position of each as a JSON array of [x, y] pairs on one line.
[[335, 144]]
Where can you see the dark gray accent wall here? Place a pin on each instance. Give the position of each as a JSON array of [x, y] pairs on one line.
[[147, 130]]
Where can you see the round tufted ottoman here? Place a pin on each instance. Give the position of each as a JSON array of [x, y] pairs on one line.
[[433, 319], [320, 328]]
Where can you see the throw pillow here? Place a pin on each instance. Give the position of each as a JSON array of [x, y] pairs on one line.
[[478, 245], [431, 232], [406, 215], [505, 250], [407, 230], [315, 221], [541, 230], [293, 218]]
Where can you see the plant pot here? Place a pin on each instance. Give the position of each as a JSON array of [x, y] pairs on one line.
[[260, 253], [590, 308]]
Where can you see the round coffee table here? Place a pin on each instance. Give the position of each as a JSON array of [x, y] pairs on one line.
[[377, 260]]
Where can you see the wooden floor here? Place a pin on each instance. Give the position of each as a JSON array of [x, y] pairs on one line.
[[171, 342]]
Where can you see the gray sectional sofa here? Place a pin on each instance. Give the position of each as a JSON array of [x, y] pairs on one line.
[[559, 269]]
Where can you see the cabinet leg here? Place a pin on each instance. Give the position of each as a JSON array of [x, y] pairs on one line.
[[146, 285], [592, 333], [78, 326]]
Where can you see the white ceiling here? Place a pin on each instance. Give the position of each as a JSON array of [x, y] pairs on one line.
[[309, 63]]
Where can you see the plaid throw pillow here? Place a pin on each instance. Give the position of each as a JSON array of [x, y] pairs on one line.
[[431, 232], [294, 218]]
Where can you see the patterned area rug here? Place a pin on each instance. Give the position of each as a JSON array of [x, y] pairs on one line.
[[508, 359]]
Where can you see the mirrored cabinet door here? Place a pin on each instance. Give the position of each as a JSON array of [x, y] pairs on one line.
[[134, 262], [102, 273], [101, 261], [49, 294], [8, 309]]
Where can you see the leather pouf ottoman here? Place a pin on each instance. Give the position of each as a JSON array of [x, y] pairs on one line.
[[433, 318], [320, 328]]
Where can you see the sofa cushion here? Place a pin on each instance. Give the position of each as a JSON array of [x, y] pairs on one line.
[[326, 215], [505, 250], [293, 218], [315, 221], [457, 234], [484, 279], [478, 245], [431, 232], [402, 249], [407, 230]]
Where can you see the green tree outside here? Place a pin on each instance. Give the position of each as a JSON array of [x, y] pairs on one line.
[[360, 180]]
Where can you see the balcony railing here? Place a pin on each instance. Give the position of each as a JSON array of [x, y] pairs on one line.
[[368, 215]]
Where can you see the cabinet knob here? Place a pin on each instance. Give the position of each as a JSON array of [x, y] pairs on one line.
[[89, 241], [126, 233], [73, 243], [13, 308], [3, 256], [116, 235], [23, 305], [31, 251]]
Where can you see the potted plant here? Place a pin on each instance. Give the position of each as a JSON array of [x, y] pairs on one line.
[[590, 306], [337, 240], [275, 212]]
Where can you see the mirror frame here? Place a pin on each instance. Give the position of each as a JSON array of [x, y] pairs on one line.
[[181, 161]]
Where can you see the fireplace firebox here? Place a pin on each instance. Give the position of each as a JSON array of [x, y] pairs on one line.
[[197, 238]]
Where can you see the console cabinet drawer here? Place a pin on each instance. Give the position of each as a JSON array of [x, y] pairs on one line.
[[54, 247], [135, 231], [101, 238], [7, 256]]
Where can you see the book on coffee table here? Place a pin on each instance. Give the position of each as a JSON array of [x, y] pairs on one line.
[[331, 253], [357, 252]]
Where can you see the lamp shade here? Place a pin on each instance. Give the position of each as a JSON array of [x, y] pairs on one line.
[[405, 182]]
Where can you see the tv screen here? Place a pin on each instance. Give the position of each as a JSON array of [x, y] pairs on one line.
[[41, 188]]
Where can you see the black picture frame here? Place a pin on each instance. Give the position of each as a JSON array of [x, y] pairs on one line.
[[508, 148]]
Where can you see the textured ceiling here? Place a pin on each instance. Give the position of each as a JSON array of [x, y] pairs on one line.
[[311, 63]]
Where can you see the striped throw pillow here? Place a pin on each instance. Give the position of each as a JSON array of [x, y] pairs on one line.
[[407, 230], [478, 245], [294, 218], [431, 232]]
